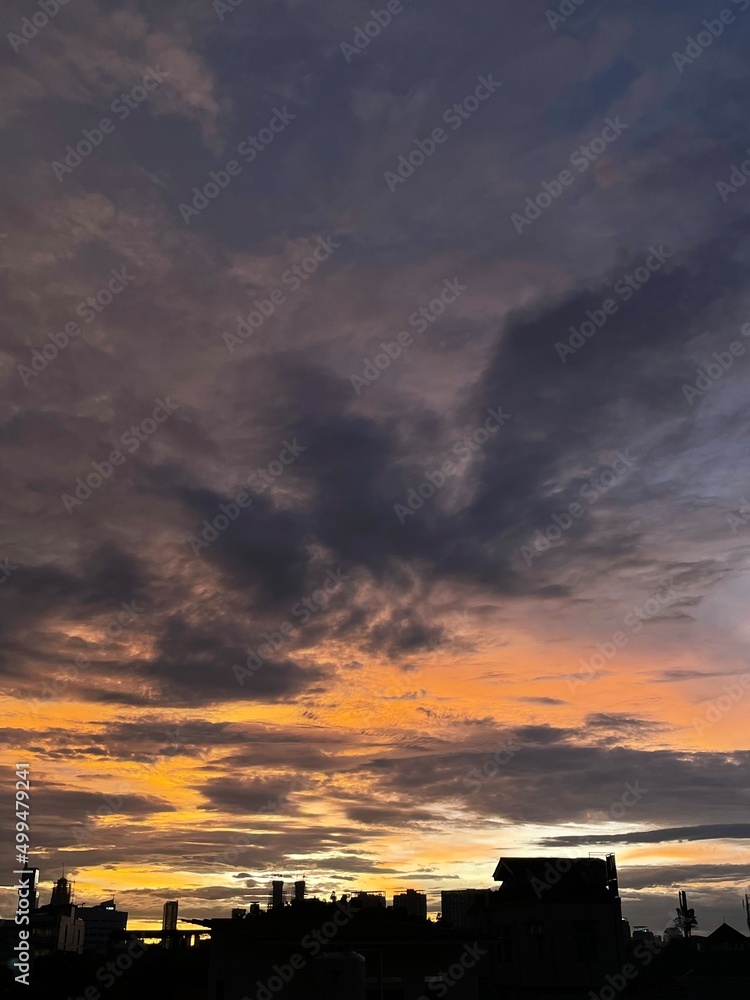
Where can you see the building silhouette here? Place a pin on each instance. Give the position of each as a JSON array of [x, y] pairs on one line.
[[411, 903], [457, 904], [551, 930], [62, 892], [644, 935], [726, 938], [57, 927], [370, 900], [556, 924], [104, 924], [320, 949], [169, 923]]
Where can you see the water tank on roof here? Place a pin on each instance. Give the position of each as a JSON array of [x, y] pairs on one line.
[[340, 975]]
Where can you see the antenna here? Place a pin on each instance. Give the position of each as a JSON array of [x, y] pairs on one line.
[[686, 919]]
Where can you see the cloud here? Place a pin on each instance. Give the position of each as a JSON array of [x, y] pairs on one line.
[[714, 831], [541, 700], [245, 797], [449, 597], [553, 781]]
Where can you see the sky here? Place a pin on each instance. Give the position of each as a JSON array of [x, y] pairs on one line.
[[374, 446]]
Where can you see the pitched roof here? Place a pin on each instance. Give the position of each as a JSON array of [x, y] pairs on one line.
[[726, 934]]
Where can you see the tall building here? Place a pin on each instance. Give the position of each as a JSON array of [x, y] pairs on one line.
[[103, 923], [557, 923], [299, 891], [61, 892], [459, 905], [169, 922], [413, 903], [57, 926], [169, 917], [370, 900], [277, 894]]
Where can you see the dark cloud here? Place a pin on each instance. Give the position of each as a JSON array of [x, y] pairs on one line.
[[451, 594], [382, 816], [561, 782], [670, 676], [541, 700], [248, 796], [715, 831], [194, 666]]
